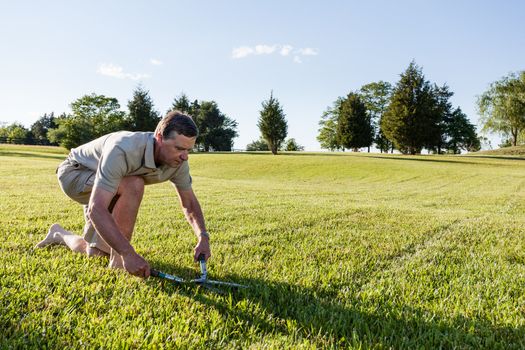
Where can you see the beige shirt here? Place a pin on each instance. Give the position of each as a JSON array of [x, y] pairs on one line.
[[126, 153]]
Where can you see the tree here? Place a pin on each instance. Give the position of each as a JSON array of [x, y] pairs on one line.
[[409, 121], [354, 127], [507, 141], [92, 116], [328, 127], [292, 146], [194, 110], [216, 130], [40, 128], [102, 113], [502, 107], [3, 134], [181, 103], [438, 117], [72, 131], [272, 123], [142, 116], [461, 134], [14, 133], [376, 97], [258, 145]]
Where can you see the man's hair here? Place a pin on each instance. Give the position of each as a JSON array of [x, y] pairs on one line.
[[176, 121]]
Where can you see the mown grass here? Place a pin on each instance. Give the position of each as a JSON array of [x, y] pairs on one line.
[[339, 250]]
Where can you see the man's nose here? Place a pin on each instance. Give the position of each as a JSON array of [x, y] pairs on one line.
[[184, 155]]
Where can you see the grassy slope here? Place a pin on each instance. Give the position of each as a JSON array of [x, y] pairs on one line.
[[356, 250], [505, 151]]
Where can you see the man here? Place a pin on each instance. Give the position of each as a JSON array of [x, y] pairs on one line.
[[107, 176]]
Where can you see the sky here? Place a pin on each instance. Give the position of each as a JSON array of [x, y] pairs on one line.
[[308, 53]]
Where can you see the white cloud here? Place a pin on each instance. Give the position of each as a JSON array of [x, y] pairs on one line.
[[308, 51], [265, 49], [285, 50], [244, 51], [155, 62], [115, 71], [241, 52]]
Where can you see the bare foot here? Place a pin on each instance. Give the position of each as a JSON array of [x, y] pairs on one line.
[[54, 236]]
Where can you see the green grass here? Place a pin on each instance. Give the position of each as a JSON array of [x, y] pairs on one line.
[[339, 250]]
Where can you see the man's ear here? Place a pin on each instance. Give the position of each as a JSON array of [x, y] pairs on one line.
[[158, 137]]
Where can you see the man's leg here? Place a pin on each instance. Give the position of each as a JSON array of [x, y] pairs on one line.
[[125, 211], [76, 182], [58, 235], [100, 248]]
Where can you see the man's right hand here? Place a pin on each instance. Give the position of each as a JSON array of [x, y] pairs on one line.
[[202, 247], [136, 265]]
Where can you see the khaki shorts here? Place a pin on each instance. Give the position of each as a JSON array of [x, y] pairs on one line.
[[76, 181]]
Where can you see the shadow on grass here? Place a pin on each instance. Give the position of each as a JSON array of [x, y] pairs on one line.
[[33, 155], [182, 272], [299, 312]]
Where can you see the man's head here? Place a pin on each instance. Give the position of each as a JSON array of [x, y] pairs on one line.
[[178, 122], [175, 136]]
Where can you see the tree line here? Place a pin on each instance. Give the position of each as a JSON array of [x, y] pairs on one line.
[[412, 115], [215, 128], [95, 115]]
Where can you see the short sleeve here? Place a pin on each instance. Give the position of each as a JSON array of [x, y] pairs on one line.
[[182, 179], [112, 168]]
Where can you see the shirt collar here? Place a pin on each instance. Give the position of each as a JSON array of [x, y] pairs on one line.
[[149, 156]]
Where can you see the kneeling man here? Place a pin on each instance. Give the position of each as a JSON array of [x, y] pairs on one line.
[[107, 176]]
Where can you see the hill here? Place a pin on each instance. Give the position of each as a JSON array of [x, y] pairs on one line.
[[505, 151], [338, 250]]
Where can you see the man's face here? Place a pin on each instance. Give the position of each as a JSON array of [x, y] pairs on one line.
[[173, 151]]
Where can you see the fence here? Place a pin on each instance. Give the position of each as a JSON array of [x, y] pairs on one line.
[[25, 141]]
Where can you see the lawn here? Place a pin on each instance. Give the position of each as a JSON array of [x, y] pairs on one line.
[[338, 250]]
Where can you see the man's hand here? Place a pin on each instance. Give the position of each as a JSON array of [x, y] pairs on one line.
[[135, 264], [202, 247]]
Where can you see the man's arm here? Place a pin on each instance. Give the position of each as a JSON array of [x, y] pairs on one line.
[[107, 228], [193, 213]]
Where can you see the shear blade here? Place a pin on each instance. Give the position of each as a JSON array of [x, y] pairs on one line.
[[228, 284]]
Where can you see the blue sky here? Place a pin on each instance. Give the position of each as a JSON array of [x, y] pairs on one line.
[[237, 52]]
